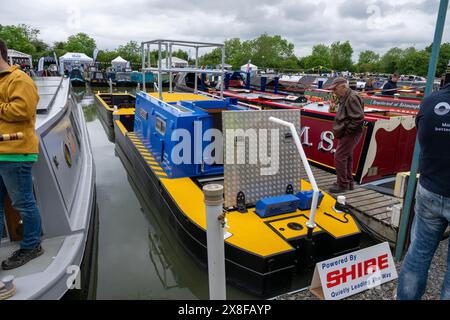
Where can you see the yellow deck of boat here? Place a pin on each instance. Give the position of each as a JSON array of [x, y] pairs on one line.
[[99, 97], [249, 231]]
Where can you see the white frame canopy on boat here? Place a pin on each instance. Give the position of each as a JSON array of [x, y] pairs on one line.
[[168, 46], [73, 58], [14, 54], [120, 63]]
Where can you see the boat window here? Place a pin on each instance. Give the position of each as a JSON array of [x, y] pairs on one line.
[[160, 126]]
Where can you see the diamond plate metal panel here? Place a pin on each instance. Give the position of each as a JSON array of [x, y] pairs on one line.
[[255, 178]]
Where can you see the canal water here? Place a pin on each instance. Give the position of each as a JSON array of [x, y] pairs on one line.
[[138, 257]]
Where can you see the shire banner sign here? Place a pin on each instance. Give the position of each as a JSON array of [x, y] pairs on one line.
[[349, 274]]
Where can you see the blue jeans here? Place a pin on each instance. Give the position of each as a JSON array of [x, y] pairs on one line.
[[430, 222], [16, 179]]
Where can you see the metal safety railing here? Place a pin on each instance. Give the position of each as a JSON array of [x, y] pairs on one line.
[[311, 223], [168, 45]]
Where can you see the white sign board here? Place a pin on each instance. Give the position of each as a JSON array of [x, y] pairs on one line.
[[354, 272]]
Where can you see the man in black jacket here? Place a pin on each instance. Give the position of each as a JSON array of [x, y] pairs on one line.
[[432, 209], [390, 87]]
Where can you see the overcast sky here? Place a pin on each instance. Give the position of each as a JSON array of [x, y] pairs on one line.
[[368, 24]]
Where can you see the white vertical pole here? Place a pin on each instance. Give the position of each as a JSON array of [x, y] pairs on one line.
[[311, 222], [196, 67], [143, 65], [223, 73], [170, 73], [159, 71], [213, 194]]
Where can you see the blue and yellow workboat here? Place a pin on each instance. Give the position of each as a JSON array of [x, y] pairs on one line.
[[262, 253]]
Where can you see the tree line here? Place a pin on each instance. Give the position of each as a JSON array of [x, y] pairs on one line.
[[265, 51]]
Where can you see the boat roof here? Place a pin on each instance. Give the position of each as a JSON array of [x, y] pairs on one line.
[[52, 95]]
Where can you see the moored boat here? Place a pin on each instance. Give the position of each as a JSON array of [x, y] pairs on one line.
[[384, 150], [107, 103], [97, 78], [76, 77], [123, 79], [262, 252], [64, 185]]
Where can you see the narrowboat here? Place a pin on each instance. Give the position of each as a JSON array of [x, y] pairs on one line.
[[64, 187], [263, 253], [97, 78], [136, 77], [185, 82], [386, 146], [396, 104], [123, 79], [76, 77], [107, 103]]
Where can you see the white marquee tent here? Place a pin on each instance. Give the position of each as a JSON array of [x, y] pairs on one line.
[[73, 58], [249, 67], [15, 56], [120, 63], [176, 63]]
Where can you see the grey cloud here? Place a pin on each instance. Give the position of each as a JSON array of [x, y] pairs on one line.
[[305, 23]]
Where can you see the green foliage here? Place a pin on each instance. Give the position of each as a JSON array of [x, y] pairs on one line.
[[341, 56], [131, 51], [80, 42], [106, 56], [21, 38], [369, 61], [264, 51], [320, 56]]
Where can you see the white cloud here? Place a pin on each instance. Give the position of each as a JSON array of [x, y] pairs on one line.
[[111, 23]]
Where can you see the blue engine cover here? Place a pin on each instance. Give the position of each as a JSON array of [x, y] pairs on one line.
[[273, 206], [305, 198]]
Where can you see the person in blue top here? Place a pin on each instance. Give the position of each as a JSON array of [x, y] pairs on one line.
[[432, 208], [389, 88]]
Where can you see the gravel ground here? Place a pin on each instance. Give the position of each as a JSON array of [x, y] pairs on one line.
[[387, 290]]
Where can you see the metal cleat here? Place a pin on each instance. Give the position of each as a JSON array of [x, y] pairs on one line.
[[7, 288]]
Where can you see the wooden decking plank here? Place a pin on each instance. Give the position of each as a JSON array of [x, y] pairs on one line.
[[379, 198], [361, 195], [378, 205], [375, 212]]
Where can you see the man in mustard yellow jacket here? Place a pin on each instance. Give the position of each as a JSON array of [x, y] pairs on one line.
[[18, 102]]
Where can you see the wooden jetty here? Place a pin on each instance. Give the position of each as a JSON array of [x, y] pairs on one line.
[[373, 209]]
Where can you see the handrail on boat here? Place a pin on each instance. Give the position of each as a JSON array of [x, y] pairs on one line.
[[168, 45], [250, 106], [311, 223]]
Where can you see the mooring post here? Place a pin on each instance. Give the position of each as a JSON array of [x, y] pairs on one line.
[[263, 84], [248, 81], [276, 81], [215, 225]]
